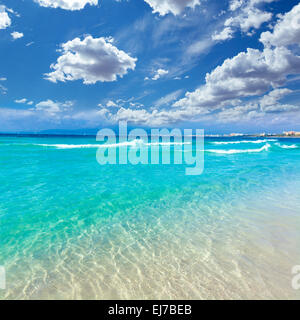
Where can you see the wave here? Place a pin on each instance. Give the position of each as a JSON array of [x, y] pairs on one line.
[[133, 143], [70, 146], [266, 147], [244, 141], [286, 146], [167, 143], [92, 145]]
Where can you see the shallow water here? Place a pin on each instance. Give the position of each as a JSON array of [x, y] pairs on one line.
[[73, 229]]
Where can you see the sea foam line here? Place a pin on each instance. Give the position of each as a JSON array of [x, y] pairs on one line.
[[286, 146], [244, 141], [133, 143], [233, 151]]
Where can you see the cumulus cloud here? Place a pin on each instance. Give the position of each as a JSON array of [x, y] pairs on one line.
[[5, 20], [235, 4], [176, 7], [52, 108], [239, 113], [270, 102], [156, 117], [250, 17], [247, 74], [92, 60], [254, 74], [226, 33], [250, 73], [246, 15], [17, 35], [158, 74], [269, 105], [286, 31], [246, 87], [67, 4]]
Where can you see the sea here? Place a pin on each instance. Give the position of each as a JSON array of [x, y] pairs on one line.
[[71, 228]]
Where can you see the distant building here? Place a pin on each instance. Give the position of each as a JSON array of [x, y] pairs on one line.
[[291, 134], [236, 134]]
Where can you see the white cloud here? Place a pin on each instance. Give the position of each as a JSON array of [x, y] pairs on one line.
[[119, 103], [24, 100], [52, 108], [239, 113], [223, 35], [163, 7], [92, 60], [155, 117], [245, 16], [136, 105], [286, 31], [269, 105], [3, 89], [111, 104], [66, 4], [270, 101], [5, 20], [168, 98], [225, 96], [158, 74], [17, 35], [235, 4], [199, 47], [250, 17], [249, 73]]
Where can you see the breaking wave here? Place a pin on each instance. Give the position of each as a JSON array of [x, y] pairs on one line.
[[286, 146], [243, 141], [266, 147], [133, 143]]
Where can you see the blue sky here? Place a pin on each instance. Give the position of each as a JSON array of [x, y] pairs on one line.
[[219, 65]]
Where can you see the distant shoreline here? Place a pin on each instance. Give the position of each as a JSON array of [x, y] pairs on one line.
[[44, 135]]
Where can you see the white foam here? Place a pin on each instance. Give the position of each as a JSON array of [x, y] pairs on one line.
[[287, 146], [133, 143], [167, 143], [244, 141], [70, 146], [86, 146], [233, 151]]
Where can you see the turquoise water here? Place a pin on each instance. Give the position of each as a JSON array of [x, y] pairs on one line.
[[72, 229]]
